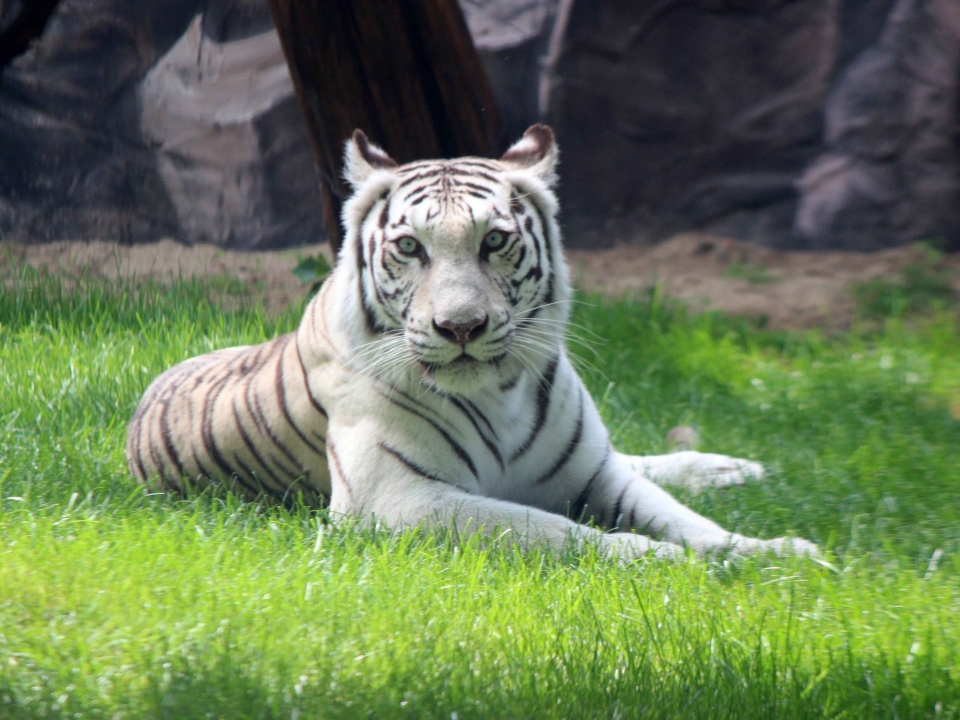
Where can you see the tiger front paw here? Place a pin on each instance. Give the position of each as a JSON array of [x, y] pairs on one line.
[[627, 546]]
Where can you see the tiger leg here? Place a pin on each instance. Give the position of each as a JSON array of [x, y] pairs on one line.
[[694, 471], [625, 498], [379, 482]]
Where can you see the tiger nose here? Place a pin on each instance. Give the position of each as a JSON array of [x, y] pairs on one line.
[[463, 332]]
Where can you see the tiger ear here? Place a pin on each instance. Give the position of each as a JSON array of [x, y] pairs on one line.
[[537, 151], [362, 157]]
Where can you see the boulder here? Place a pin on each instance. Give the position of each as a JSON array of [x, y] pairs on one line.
[[791, 123], [134, 121]]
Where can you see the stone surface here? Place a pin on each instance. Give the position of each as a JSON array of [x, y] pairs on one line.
[[133, 121], [793, 123], [790, 123]]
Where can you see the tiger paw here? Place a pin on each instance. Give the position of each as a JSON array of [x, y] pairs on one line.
[[781, 547], [696, 471], [627, 546]]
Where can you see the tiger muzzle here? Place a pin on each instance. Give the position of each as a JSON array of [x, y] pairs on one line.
[[461, 333]]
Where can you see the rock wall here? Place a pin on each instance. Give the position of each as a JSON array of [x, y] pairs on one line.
[[791, 123], [131, 121]]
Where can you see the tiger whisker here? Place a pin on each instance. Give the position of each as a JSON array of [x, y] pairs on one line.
[[563, 324], [528, 366]]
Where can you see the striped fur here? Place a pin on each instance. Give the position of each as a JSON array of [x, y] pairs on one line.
[[428, 380]]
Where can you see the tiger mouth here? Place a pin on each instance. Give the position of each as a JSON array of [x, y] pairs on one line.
[[462, 360]]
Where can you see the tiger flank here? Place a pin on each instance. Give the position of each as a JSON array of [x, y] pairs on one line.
[[428, 381]]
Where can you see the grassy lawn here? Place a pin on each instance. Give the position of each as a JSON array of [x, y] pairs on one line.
[[119, 604]]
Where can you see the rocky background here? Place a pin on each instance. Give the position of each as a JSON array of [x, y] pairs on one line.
[[789, 123]]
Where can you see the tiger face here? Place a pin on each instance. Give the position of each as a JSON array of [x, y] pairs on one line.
[[461, 278]]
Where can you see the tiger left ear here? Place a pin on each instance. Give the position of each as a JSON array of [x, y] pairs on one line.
[[536, 151], [361, 157]]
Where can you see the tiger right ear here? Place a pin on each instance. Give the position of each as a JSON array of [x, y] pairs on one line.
[[537, 151], [362, 157]]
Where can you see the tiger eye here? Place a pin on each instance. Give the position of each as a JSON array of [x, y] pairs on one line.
[[494, 239], [408, 245]]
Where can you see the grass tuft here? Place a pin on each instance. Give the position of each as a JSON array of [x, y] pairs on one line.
[[923, 287]]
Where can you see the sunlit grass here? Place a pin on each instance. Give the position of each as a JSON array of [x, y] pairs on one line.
[[114, 603]]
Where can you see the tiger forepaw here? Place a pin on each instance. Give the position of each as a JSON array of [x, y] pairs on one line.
[[696, 471]]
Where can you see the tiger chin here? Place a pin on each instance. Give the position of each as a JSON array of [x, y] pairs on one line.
[[428, 382]]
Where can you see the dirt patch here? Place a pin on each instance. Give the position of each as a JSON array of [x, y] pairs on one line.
[[268, 275], [790, 289]]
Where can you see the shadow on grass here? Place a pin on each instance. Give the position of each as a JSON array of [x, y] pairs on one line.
[[731, 680]]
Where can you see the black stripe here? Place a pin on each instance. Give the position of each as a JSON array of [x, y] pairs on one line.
[[477, 162], [528, 226], [206, 434], [486, 441], [203, 469], [517, 238], [260, 488], [509, 384], [372, 324], [384, 305], [521, 256], [425, 408], [284, 408], [548, 246], [361, 261], [313, 401], [534, 273], [421, 176], [259, 419], [158, 461], [384, 256], [576, 510], [406, 308], [332, 452], [250, 359], [476, 173], [483, 417], [411, 465], [473, 186], [568, 451], [385, 214], [454, 445], [167, 439], [543, 401], [251, 447], [138, 447], [618, 505]]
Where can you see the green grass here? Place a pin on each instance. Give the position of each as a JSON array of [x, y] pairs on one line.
[[115, 603], [753, 273], [923, 286]]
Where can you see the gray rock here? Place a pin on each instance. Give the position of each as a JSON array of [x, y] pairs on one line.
[[792, 123], [889, 174], [104, 136]]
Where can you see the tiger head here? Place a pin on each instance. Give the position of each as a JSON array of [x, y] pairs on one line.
[[459, 273]]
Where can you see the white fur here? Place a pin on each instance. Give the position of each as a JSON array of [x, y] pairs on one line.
[[492, 432], [375, 484]]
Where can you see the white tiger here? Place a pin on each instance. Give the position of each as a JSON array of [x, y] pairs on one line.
[[428, 382]]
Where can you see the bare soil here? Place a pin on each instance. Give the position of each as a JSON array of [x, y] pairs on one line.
[[792, 290]]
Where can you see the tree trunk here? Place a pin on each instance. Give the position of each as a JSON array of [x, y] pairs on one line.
[[404, 71]]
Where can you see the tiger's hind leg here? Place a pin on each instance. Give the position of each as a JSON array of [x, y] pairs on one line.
[[694, 471]]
